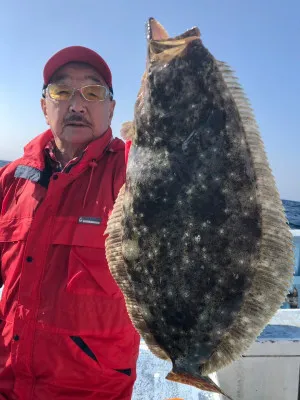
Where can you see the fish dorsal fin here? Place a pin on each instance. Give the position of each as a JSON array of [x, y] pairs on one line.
[[238, 94], [127, 130], [116, 263], [276, 239]]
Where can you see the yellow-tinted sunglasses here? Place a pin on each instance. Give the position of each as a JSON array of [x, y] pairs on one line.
[[94, 93]]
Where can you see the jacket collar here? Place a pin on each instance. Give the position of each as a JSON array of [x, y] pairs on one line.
[[34, 155]]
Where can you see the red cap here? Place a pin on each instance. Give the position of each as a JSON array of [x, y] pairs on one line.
[[80, 54]]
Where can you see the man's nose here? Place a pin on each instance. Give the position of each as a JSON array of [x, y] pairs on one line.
[[77, 103]]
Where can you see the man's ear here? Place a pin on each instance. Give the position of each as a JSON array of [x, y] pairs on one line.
[[44, 109], [111, 111]]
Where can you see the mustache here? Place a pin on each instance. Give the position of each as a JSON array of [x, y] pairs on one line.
[[76, 118]]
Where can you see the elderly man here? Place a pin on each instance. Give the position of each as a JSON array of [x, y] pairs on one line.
[[65, 332]]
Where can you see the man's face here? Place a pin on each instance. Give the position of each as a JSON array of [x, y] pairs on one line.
[[77, 121]]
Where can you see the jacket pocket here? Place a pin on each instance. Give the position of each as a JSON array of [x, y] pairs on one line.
[[13, 233], [85, 349], [88, 271], [14, 230]]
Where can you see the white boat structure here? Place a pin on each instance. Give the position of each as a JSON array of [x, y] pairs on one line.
[[270, 369]]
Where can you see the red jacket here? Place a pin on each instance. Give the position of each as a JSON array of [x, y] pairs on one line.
[[65, 332]]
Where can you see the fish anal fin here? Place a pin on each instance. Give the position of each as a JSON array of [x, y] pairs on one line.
[[117, 267], [200, 382]]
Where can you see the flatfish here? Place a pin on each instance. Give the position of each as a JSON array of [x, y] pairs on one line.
[[198, 240]]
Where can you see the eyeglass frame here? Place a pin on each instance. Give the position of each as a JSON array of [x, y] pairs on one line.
[[108, 92]]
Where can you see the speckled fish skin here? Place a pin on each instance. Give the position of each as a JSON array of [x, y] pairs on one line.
[[207, 255]]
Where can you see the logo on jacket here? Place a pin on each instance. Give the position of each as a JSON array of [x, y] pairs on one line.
[[89, 220]]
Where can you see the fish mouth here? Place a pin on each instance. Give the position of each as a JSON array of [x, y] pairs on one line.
[[155, 31], [161, 50], [163, 47]]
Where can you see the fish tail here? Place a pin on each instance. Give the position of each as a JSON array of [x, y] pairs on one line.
[[200, 382]]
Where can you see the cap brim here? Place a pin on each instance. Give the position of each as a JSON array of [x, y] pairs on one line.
[[77, 54]]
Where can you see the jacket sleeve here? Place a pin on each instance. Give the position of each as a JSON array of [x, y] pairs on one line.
[[1, 245], [127, 148], [119, 176]]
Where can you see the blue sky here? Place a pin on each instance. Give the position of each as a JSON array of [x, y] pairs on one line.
[[259, 39]]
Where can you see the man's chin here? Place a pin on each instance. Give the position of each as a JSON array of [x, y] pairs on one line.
[[78, 134]]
